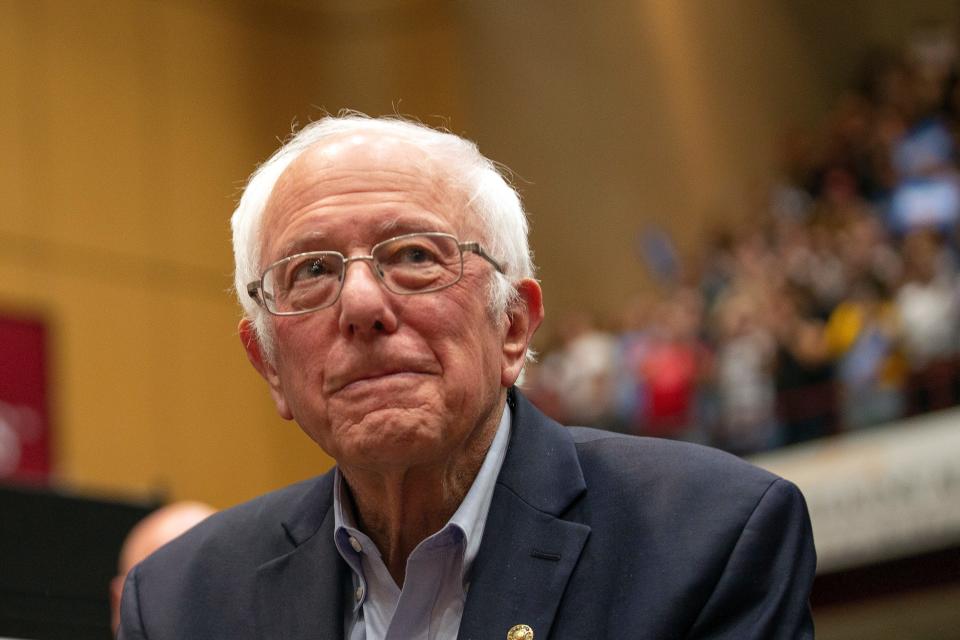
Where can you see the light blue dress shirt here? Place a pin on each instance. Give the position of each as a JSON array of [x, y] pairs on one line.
[[430, 605]]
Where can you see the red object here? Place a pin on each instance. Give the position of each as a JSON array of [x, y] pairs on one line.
[[24, 412], [670, 370]]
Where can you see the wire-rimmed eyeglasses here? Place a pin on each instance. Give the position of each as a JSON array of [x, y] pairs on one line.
[[408, 264]]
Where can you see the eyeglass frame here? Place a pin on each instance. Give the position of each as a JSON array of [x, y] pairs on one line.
[[256, 287]]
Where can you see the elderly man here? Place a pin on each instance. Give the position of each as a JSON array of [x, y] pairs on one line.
[[389, 298]]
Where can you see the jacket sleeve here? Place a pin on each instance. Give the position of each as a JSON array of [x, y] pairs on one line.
[[764, 589], [131, 625]]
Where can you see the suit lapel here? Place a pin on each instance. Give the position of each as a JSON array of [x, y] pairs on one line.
[[528, 552], [300, 594], [525, 560]]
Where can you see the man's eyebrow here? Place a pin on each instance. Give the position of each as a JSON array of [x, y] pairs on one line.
[[317, 240], [307, 242], [389, 225], [400, 226]]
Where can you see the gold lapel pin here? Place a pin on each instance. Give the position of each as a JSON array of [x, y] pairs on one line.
[[520, 632]]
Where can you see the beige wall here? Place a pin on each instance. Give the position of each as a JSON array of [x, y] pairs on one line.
[[127, 126], [650, 112], [126, 130]]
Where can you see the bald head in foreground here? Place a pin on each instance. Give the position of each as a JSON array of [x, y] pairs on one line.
[[389, 304], [148, 535]]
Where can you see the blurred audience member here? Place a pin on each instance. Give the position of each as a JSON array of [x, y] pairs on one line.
[[744, 382], [929, 305], [673, 362], [580, 372], [862, 336], [151, 533], [804, 371], [633, 342]]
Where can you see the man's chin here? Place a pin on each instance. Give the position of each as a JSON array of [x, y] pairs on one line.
[[391, 453], [380, 430]]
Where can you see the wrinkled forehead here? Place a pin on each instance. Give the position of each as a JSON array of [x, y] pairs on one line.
[[346, 164]]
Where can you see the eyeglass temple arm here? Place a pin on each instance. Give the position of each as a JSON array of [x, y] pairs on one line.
[[474, 247], [255, 292]]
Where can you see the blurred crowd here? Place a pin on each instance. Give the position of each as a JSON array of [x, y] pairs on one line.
[[834, 305]]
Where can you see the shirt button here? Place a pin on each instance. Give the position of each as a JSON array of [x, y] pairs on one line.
[[356, 544], [358, 594]]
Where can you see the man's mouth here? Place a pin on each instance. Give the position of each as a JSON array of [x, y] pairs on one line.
[[358, 381]]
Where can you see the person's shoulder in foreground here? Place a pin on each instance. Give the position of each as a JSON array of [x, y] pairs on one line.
[[204, 584]]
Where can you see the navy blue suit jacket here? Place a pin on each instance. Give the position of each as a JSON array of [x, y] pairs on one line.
[[590, 535]]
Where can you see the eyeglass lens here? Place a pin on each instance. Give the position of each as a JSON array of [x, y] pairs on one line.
[[408, 264]]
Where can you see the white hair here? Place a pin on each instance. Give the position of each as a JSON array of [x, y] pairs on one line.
[[489, 196]]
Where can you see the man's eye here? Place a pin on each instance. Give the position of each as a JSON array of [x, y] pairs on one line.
[[414, 255], [311, 269]]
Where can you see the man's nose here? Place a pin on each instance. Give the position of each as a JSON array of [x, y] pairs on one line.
[[365, 305]]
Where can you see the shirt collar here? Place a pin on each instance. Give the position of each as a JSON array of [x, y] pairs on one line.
[[470, 517]]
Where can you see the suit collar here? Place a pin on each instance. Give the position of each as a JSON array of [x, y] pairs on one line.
[[542, 466], [528, 552], [308, 512], [300, 593]]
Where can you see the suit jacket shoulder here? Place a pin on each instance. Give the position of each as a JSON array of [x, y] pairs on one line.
[[589, 534], [605, 535], [688, 486]]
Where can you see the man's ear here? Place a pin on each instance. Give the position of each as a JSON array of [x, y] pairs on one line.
[[523, 318], [251, 344]]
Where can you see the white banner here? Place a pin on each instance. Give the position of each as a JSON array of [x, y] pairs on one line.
[[881, 493]]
